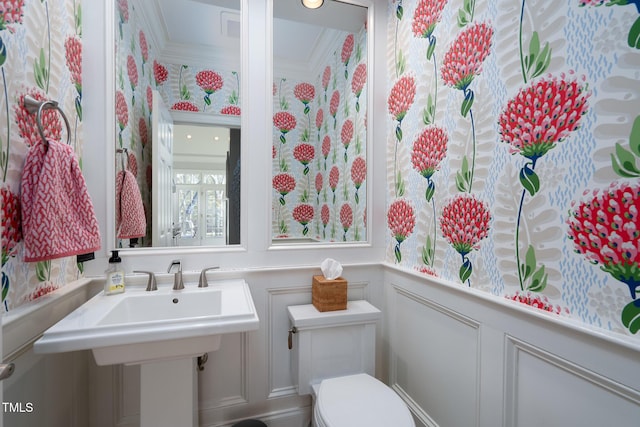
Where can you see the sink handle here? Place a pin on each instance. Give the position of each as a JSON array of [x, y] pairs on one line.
[[152, 285], [202, 283]]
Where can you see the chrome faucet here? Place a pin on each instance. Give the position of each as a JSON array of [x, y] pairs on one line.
[[177, 279], [202, 283], [152, 285]]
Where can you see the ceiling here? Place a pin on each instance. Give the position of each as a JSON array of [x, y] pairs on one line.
[[188, 31]]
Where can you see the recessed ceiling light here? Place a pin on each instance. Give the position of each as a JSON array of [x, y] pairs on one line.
[[312, 4], [188, 136]]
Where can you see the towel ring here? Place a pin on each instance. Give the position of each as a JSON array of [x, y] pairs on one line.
[[125, 154], [34, 106]]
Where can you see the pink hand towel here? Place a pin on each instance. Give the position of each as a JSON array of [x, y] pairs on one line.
[[130, 219], [58, 219]]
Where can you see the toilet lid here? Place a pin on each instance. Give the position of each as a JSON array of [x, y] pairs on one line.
[[360, 400]]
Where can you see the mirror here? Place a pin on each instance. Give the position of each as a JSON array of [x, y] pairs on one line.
[[319, 160], [181, 57]]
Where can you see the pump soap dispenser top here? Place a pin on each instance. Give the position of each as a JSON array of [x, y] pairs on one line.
[[115, 275]]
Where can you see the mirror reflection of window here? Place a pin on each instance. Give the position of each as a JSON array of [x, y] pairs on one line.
[[201, 208], [188, 53]]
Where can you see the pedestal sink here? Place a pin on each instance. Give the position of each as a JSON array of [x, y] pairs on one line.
[[161, 330]]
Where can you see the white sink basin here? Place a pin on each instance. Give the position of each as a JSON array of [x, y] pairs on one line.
[[139, 326]]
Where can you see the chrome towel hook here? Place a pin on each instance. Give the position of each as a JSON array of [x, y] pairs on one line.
[[34, 106]]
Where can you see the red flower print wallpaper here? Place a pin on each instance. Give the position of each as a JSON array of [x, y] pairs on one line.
[[204, 89], [513, 147], [40, 56], [319, 145]]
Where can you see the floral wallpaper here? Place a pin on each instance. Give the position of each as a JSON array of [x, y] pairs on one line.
[[134, 61], [513, 151], [40, 56], [184, 87], [319, 149]]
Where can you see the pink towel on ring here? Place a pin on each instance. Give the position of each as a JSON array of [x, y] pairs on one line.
[[130, 219], [58, 219]]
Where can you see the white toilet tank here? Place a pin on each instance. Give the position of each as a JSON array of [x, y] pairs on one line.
[[332, 343]]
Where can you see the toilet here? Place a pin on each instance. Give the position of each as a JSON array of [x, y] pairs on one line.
[[333, 359]]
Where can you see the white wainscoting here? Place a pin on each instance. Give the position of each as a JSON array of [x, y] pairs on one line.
[[463, 358], [45, 389], [457, 356], [250, 376]]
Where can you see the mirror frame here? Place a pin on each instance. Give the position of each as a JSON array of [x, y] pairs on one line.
[[256, 77], [368, 242], [179, 117]]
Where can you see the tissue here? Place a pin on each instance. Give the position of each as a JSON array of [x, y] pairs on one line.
[[331, 269]]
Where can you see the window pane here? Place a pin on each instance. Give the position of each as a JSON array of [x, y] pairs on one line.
[[214, 178], [215, 213], [188, 178], [188, 212]]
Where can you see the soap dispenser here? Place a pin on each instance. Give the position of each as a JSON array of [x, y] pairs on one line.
[[114, 275]]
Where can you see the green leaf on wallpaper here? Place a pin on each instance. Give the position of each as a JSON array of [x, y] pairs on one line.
[[398, 253], [623, 163], [40, 70], [463, 176], [399, 11], [5, 286], [634, 34], [465, 14], [78, 104], [233, 98], [537, 61], [428, 114], [634, 137], [542, 61], [399, 132], [347, 109], [399, 185], [538, 281], [630, 316], [467, 103], [431, 48], [43, 269], [283, 166], [530, 263], [430, 191], [465, 270], [5, 257], [427, 252], [78, 19], [120, 79], [184, 92], [401, 63], [3, 52], [529, 179], [463, 19]]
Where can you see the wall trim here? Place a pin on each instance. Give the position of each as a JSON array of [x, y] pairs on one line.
[[515, 347]]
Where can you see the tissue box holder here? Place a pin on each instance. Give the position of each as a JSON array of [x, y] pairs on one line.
[[329, 295]]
